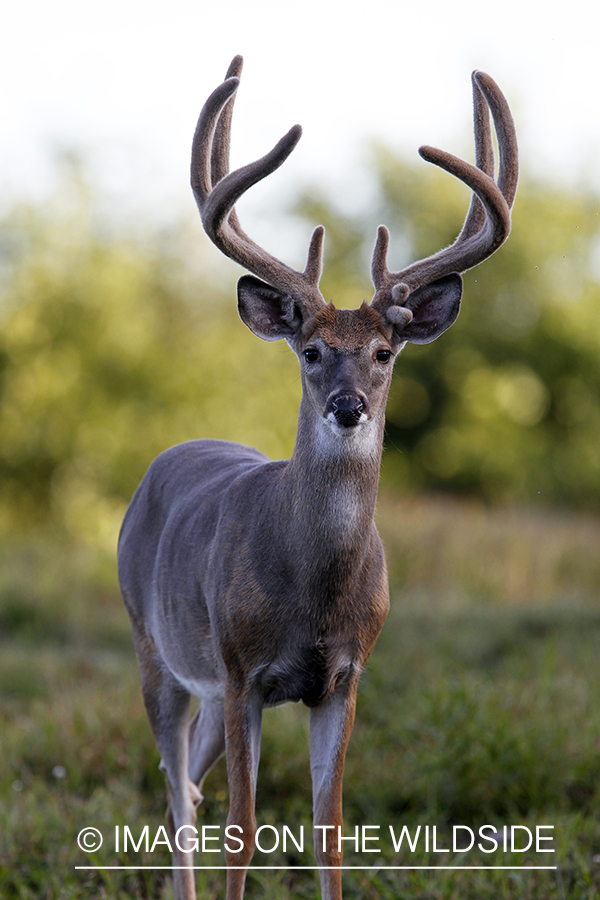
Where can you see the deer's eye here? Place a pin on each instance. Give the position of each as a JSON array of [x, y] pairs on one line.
[[311, 355], [383, 356]]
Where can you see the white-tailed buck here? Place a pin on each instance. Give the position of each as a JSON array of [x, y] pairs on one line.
[[249, 582]]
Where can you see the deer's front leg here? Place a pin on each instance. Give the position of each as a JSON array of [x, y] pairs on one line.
[[243, 717], [330, 728]]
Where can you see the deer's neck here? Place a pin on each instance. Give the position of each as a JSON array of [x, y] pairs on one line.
[[332, 478]]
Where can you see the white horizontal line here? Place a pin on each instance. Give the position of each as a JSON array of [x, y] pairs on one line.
[[373, 868]]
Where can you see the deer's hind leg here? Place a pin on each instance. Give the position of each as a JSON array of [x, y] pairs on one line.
[[207, 741], [168, 708]]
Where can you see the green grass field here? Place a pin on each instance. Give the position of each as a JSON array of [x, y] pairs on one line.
[[480, 706]]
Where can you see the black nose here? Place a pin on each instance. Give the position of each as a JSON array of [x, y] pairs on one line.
[[347, 409]]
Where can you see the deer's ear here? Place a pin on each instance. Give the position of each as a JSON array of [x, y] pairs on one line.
[[268, 313], [434, 308]]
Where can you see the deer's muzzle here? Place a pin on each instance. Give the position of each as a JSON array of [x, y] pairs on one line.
[[347, 409]]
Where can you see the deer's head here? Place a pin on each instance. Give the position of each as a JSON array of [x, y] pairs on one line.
[[346, 356]]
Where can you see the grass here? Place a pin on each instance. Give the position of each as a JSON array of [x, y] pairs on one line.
[[480, 705]]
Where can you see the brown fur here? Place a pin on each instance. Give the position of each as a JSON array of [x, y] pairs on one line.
[[345, 329]]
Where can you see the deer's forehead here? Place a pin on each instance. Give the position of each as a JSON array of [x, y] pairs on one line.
[[347, 329]]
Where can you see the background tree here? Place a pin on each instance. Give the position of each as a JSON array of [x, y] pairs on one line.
[[113, 348]]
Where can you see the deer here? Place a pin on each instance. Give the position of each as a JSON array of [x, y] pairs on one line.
[[250, 582]]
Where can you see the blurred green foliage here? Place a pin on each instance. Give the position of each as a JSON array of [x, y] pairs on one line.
[[111, 350], [114, 347]]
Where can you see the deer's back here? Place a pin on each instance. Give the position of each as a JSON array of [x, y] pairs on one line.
[[176, 509]]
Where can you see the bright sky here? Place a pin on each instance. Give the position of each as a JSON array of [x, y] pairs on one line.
[[123, 80]]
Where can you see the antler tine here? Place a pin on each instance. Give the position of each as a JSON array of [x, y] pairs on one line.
[[219, 162], [314, 262], [201, 174], [487, 224], [379, 270], [230, 188], [217, 190], [484, 159], [504, 124]]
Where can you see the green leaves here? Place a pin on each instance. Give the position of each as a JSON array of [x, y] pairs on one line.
[[111, 350]]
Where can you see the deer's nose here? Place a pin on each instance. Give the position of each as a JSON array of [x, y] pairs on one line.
[[347, 409]]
